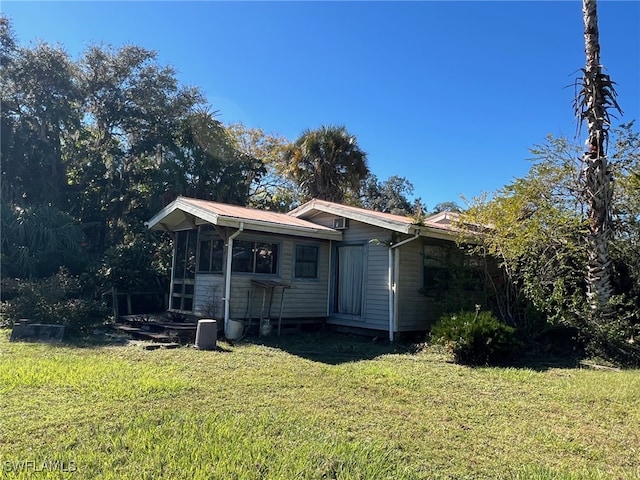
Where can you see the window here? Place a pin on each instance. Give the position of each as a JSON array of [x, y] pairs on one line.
[[306, 265], [211, 255], [211, 251], [436, 273], [184, 263], [255, 257]]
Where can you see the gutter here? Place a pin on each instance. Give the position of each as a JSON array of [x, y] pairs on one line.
[[392, 284], [227, 275], [330, 278]]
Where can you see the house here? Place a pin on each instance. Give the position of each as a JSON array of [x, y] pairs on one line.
[[355, 268]]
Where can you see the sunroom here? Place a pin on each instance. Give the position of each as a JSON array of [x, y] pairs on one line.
[[235, 262]]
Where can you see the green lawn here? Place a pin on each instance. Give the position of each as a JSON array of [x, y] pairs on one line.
[[316, 406]]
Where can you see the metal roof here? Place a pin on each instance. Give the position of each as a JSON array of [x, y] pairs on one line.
[[436, 225], [186, 212]]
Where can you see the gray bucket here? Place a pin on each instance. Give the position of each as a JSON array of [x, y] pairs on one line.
[[206, 334]]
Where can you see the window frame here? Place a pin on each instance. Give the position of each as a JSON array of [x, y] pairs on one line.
[[436, 267], [316, 262], [182, 289], [211, 253], [275, 263]]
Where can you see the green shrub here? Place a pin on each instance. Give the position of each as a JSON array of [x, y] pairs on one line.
[[475, 338], [54, 300], [137, 264], [614, 340]]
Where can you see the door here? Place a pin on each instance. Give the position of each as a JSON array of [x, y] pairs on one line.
[[349, 280]]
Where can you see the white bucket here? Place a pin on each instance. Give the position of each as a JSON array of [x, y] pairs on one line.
[[265, 328], [235, 329]]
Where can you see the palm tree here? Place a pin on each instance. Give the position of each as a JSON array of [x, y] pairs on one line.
[[327, 164], [595, 98]]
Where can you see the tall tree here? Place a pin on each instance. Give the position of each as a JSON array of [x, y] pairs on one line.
[[595, 98], [448, 206], [538, 225], [40, 117], [327, 164], [35, 241], [206, 163], [133, 109], [272, 190], [389, 196]]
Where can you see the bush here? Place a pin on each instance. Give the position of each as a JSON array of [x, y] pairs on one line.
[[137, 264], [614, 340], [475, 338], [54, 300]]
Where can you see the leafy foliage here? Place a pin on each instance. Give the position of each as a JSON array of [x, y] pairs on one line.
[[136, 264], [327, 164], [389, 196], [204, 162], [39, 118], [272, 189], [58, 299], [536, 227], [37, 240], [475, 338], [455, 278], [448, 206]]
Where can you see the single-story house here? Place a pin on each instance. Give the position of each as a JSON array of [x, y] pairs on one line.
[[353, 267]]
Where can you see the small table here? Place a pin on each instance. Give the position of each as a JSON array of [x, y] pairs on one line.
[[268, 287]]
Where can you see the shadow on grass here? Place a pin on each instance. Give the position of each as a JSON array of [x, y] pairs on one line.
[[537, 359], [541, 363], [336, 348], [333, 348]]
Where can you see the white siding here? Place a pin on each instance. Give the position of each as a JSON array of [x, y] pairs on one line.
[[304, 298], [311, 298], [375, 314], [412, 305], [207, 300]]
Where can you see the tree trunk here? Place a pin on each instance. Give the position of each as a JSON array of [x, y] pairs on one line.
[[598, 181]]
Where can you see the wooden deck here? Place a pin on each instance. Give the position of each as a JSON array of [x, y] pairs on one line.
[[156, 328]]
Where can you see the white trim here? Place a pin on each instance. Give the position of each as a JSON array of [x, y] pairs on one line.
[[183, 206], [394, 268], [439, 217], [359, 215], [391, 293], [227, 276], [329, 278], [396, 289]]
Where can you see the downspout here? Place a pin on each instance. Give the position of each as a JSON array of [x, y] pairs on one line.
[[227, 275], [330, 279], [392, 284], [391, 293]]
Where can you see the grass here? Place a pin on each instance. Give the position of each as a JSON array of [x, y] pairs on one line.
[[312, 406]]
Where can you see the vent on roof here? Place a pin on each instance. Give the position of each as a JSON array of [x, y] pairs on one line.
[[341, 223]]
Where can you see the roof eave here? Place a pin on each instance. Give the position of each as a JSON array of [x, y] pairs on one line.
[[270, 227], [434, 232], [183, 206], [303, 210], [155, 223]]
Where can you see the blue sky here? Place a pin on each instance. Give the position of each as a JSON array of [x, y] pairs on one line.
[[450, 95]]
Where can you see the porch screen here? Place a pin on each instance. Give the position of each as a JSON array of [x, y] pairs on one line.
[[349, 279], [183, 274]]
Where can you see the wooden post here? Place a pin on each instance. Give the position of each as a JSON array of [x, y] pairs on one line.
[[114, 303]]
